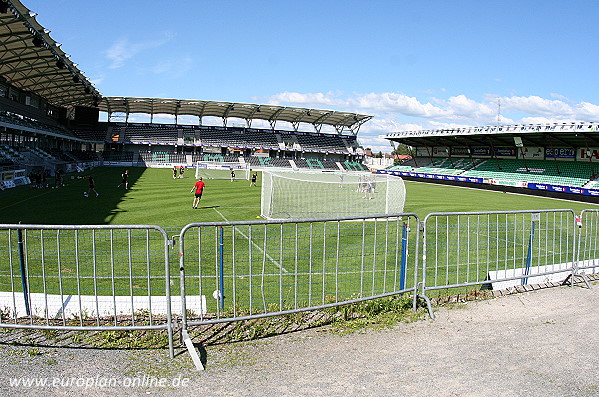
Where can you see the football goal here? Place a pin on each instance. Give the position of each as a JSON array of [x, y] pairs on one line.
[[304, 195], [212, 170]]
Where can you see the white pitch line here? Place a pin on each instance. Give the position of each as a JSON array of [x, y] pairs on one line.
[[27, 199], [254, 244]]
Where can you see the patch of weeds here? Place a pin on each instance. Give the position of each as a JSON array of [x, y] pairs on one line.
[[19, 352], [34, 351], [592, 390], [76, 338], [136, 339], [51, 361], [50, 333], [456, 306], [376, 314], [5, 313]]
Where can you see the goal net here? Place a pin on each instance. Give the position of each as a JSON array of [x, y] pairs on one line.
[[211, 170], [298, 195]]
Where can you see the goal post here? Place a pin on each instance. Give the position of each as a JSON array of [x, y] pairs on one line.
[[305, 195], [212, 170]]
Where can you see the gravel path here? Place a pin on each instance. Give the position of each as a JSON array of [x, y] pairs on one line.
[[540, 343]]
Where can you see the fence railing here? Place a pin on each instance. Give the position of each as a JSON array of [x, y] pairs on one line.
[[85, 277], [101, 278], [588, 242], [264, 268], [506, 248]]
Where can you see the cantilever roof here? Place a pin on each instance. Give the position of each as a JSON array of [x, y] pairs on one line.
[[32, 61], [225, 110], [557, 135]]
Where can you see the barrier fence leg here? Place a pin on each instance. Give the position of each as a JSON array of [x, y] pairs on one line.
[[429, 305], [192, 350], [570, 280], [186, 339]]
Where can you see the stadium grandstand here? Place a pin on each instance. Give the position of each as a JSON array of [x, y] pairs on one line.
[[556, 160], [50, 120]]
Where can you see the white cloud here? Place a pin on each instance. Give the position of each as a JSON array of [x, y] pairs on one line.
[[96, 81], [400, 103], [536, 105], [173, 68], [123, 49], [559, 96], [390, 111], [538, 120], [587, 111], [328, 99]]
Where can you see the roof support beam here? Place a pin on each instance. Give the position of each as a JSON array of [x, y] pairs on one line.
[[273, 119], [591, 138], [355, 128], [555, 137]]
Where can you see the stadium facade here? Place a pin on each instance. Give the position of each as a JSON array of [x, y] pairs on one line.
[[50, 120], [556, 160]]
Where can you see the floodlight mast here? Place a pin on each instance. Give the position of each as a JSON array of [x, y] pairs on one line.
[[498, 110]]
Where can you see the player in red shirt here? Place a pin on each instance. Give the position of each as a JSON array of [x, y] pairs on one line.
[[199, 188]]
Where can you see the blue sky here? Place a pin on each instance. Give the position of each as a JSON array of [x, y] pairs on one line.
[[411, 64]]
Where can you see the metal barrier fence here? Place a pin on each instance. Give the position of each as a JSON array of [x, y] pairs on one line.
[[243, 270], [497, 249], [588, 242], [84, 277], [263, 268], [101, 278]]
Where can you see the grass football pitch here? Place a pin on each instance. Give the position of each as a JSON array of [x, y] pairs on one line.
[[129, 262], [155, 198]]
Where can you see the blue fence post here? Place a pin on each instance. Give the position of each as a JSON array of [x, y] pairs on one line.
[[529, 253], [404, 257], [221, 250]]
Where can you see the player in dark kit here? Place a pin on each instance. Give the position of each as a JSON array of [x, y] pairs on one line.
[[58, 179], [91, 188], [124, 180], [175, 172], [254, 178], [181, 171], [199, 189]]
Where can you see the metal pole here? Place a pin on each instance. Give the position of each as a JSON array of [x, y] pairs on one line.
[[221, 296], [404, 257], [529, 254], [23, 274]]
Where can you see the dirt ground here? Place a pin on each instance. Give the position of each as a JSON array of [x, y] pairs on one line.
[[539, 343]]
